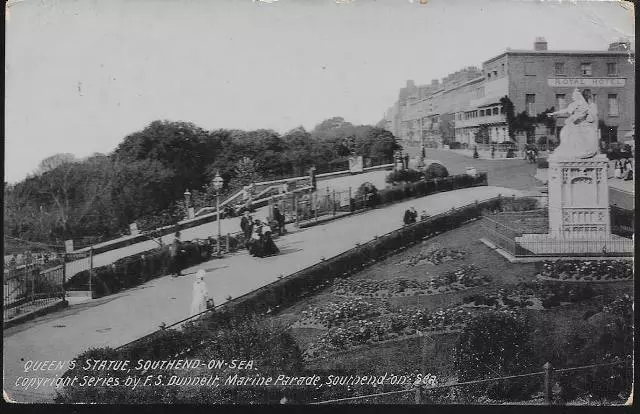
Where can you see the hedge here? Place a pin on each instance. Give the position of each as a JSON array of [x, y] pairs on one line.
[[139, 268]]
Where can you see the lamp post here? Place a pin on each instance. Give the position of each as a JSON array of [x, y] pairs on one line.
[[217, 185], [187, 199]]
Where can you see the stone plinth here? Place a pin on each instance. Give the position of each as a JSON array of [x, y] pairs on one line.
[[579, 198]]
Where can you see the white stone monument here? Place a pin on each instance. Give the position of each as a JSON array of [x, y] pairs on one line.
[[578, 205]]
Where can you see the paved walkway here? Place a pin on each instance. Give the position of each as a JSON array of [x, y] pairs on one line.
[[123, 317], [227, 225]]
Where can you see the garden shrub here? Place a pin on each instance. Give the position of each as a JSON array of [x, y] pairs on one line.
[[435, 170], [511, 153], [496, 344], [408, 176], [133, 270], [606, 337], [271, 347]]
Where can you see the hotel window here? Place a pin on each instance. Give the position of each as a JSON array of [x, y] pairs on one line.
[[530, 103], [561, 101], [529, 69], [613, 105], [488, 75], [585, 69], [502, 69], [482, 112], [495, 73], [495, 110], [559, 66], [612, 69]]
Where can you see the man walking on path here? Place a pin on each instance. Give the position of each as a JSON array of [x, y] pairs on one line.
[[246, 225], [279, 218], [175, 265]]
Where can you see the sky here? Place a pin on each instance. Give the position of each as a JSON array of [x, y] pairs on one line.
[[81, 75]]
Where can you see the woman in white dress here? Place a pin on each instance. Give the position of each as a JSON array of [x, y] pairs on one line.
[[200, 294], [617, 173]]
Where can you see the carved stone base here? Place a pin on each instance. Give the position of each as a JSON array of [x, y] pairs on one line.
[[579, 198]]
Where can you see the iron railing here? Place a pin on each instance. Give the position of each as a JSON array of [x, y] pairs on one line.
[[28, 288], [583, 380]]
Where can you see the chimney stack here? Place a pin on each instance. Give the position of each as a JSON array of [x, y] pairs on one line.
[[540, 44], [620, 45]]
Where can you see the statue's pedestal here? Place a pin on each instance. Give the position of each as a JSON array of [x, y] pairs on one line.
[[579, 198], [578, 205]]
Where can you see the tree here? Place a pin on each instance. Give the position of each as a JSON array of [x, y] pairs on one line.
[[247, 172], [181, 147]]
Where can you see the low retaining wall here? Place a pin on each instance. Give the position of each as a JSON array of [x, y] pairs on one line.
[[34, 314]]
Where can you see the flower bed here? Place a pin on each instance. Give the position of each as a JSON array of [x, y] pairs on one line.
[[336, 312], [435, 255], [533, 295], [578, 270], [387, 325], [462, 278]]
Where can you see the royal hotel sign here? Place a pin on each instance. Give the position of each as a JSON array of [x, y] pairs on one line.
[[586, 82]]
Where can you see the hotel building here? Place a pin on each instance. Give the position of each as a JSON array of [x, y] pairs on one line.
[[534, 80]]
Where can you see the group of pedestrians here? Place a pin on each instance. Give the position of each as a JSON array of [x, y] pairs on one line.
[[258, 236], [411, 216], [623, 169]]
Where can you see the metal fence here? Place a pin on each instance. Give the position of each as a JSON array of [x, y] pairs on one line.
[[605, 383], [28, 288], [318, 204], [513, 242]]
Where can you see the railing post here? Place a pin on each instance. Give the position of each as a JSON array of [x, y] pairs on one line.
[[548, 383], [228, 243], [295, 209], [33, 282], [418, 396], [314, 199], [64, 275], [333, 204], [90, 272]]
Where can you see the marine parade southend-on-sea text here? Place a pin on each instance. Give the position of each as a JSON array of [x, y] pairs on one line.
[[98, 375]]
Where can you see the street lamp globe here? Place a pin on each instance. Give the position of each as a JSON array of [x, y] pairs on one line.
[[218, 182], [187, 193]]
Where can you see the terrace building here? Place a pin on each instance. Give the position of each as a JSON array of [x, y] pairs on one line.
[[534, 81]]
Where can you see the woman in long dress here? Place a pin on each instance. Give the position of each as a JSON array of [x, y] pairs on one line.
[[200, 294], [269, 246], [617, 172], [256, 248]]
